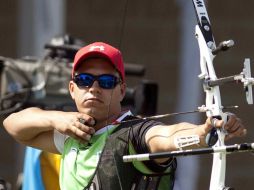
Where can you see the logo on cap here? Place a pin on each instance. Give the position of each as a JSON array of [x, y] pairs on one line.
[[101, 48]]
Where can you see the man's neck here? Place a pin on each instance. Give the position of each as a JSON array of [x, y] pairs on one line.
[[100, 124]]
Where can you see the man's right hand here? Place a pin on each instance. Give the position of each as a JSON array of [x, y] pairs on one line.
[[75, 125]]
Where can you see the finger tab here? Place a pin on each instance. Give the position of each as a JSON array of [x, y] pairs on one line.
[[89, 122], [81, 120]]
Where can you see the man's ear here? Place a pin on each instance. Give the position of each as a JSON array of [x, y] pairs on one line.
[[71, 89], [123, 90]]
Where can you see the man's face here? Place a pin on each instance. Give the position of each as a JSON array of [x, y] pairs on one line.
[[102, 104]]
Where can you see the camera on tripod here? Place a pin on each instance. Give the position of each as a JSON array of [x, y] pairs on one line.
[[44, 82]]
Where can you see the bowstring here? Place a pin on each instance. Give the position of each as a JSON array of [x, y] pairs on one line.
[[108, 134]]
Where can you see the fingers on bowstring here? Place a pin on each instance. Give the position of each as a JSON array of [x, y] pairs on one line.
[[86, 120], [83, 127], [80, 132], [79, 135], [83, 132]]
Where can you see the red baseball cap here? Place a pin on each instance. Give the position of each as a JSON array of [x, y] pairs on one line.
[[103, 50]]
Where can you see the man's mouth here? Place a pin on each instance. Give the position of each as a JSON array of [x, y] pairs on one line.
[[93, 100]]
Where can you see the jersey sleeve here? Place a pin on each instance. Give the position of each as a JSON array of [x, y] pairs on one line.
[[59, 140], [139, 146]]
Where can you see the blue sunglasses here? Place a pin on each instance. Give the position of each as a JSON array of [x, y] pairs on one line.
[[105, 81]]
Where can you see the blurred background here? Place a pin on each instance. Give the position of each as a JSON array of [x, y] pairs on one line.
[[162, 60]]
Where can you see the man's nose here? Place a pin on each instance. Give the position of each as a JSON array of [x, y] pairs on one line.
[[95, 86]]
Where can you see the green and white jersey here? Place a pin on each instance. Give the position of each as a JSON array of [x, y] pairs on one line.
[[79, 161]]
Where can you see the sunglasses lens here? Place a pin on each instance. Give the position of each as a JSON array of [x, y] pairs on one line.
[[84, 80], [107, 81]]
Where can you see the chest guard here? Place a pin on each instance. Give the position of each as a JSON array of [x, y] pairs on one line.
[[113, 174]]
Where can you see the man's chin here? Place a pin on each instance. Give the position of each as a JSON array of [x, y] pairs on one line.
[[96, 113]]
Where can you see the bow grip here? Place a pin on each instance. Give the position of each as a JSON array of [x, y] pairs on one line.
[[212, 136]]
